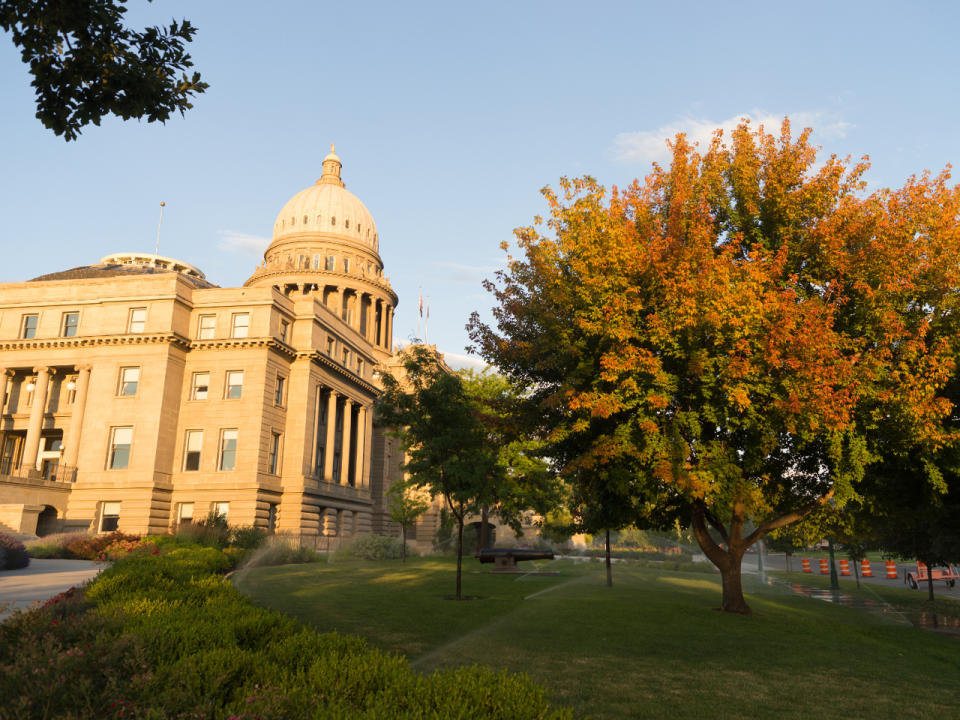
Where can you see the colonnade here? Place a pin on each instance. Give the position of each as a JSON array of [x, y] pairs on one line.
[[357, 453], [44, 377]]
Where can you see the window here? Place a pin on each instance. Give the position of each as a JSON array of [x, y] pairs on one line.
[[240, 326], [129, 379], [346, 265], [316, 261], [220, 509], [304, 219], [278, 395], [207, 327], [201, 386], [331, 263], [284, 327], [185, 514], [28, 326], [333, 219], [191, 450], [234, 389], [109, 516], [346, 223], [331, 346], [137, 321], [120, 440], [228, 450], [360, 366], [68, 327], [346, 357], [274, 452]]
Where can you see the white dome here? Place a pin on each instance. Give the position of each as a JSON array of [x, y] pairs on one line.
[[327, 208]]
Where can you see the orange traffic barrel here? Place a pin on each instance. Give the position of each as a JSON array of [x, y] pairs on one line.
[[891, 569], [824, 566], [805, 564], [844, 567], [865, 568]]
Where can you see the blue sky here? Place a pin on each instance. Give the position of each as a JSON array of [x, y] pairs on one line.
[[449, 119]]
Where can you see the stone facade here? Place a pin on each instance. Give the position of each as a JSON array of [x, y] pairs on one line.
[[136, 395]]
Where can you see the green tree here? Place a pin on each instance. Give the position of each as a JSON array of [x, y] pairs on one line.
[[736, 327], [404, 507], [440, 432], [86, 64]]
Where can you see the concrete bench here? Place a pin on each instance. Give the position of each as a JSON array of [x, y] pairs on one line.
[[507, 558]]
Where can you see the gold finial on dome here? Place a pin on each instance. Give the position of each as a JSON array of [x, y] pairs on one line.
[[331, 170]]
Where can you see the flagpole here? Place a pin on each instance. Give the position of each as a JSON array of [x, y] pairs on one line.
[[426, 322], [156, 249], [419, 311]]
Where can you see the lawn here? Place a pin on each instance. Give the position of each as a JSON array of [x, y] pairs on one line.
[[653, 646]]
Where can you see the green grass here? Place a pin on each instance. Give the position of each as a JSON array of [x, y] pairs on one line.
[[653, 646]]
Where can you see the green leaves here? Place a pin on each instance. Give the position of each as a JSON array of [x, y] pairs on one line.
[[86, 64]]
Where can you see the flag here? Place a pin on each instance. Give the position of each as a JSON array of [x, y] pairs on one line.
[[421, 306]]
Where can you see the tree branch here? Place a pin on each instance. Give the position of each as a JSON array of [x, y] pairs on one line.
[[716, 523], [717, 555], [788, 518]]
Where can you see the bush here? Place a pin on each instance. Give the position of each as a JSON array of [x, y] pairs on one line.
[[374, 547], [53, 546], [15, 555], [92, 547], [248, 538], [212, 532], [163, 636]]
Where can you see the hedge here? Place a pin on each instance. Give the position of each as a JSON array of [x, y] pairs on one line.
[[165, 636]]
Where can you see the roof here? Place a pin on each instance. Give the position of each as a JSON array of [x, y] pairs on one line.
[[95, 272]]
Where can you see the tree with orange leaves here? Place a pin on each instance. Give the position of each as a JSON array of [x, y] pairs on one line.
[[741, 327]]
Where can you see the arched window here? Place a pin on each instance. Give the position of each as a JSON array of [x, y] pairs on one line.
[[333, 219], [346, 223]]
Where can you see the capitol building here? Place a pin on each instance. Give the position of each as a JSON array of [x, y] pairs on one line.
[[137, 395]]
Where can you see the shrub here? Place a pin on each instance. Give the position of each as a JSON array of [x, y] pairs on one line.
[[374, 547], [15, 555], [164, 636], [91, 547], [248, 538]]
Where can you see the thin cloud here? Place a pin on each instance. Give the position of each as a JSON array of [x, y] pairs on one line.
[[243, 243], [466, 274], [648, 146], [461, 362]]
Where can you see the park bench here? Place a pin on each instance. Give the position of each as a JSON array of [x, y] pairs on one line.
[[947, 574], [507, 558]]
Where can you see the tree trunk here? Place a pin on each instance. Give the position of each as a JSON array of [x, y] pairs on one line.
[[732, 599], [727, 560], [609, 570], [930, 586], [403, 552], [788, 562], [856, 571], [459, 554]]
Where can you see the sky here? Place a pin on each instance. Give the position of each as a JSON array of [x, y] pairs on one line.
[[449, 118]]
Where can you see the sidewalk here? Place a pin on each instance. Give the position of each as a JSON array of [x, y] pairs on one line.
[[40, 581]]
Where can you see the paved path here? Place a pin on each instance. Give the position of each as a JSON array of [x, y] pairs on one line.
[[40, 581]]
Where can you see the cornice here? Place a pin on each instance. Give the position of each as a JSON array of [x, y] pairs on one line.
[[338, 369], [95, 340], [328, 277], [255, 342]]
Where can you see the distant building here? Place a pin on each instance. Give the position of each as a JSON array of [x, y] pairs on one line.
[[138, 396]]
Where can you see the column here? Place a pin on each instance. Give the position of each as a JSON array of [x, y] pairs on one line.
[[72, 442], [334, 300], [388, 340], [345, 446], [32, 445], [368, 447], [331, 434], [5, 375], [361, 465], [383, 323]]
